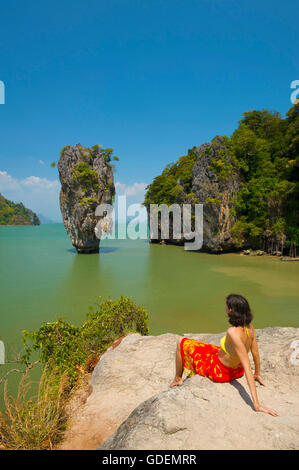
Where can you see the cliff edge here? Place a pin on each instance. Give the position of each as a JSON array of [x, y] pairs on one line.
[[132, 407]]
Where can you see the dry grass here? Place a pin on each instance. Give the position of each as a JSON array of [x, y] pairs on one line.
[[37, 423]]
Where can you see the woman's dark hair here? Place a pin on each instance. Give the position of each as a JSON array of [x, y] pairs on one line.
[[239, 311]]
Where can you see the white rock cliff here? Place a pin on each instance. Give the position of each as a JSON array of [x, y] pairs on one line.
[[132, 407]]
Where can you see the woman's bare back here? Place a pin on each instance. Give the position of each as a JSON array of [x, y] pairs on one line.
[[232, 360]]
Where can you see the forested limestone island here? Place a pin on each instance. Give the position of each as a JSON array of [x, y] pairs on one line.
[[247, 183], [16, 214]]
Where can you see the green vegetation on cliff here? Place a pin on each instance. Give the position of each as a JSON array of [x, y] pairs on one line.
[[16, 214], [86, 177], [69, 347], [68, 354], [84, 174], [266, 148], [264, 152], [175, 180]]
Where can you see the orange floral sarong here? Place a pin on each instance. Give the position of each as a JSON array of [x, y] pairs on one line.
[[202, 358]]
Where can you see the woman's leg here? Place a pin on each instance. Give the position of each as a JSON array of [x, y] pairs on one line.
[[178, 365]]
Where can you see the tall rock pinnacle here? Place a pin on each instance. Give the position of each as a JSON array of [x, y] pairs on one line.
[[86, 178]]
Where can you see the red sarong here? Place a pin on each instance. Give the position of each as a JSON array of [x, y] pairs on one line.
[[202, 358]]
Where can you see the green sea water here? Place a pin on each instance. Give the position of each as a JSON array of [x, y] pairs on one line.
[[43, 278]]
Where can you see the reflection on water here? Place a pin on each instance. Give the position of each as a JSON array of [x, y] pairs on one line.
[[104, 249]]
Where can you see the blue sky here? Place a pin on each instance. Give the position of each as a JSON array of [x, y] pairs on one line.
[[149, 78]]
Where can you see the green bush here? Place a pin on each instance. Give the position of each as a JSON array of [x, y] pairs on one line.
[[88, 201], [67, 346], [85, 176], [63, 149], [67, 352], [112, 319]]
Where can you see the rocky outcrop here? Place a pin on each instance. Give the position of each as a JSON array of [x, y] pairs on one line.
[[132, 407], [86, 181], [34, 219], [215, 183]]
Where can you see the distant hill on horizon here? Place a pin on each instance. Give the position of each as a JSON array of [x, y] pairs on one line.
[[46, 220], [16, 214]]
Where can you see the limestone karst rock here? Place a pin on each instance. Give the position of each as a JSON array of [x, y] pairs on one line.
[[216, 190], [86, 178], [214, 182]]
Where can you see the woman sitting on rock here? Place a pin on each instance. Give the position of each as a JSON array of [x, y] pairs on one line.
[[230, 360]]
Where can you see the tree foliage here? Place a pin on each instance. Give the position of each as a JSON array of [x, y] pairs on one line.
[[68, 347], [264, 150], [16, 214], [175, 180]]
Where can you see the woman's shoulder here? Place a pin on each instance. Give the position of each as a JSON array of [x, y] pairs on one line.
[[236, 330], [232, 331]]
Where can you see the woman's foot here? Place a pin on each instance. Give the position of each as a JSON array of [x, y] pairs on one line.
[[177, 382]]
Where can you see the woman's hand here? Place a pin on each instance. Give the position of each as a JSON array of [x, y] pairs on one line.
[[258, 379], [263, 409]]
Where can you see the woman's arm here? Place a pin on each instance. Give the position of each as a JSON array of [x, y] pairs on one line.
[[244, 359], [256, 359]]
